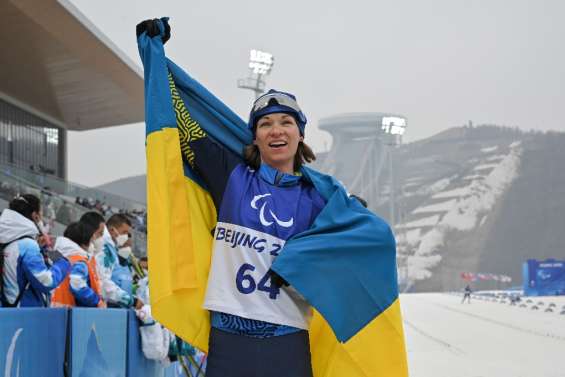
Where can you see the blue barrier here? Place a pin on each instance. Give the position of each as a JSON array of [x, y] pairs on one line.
[[98, 342], [101, 343], [544, 278], [32, 342]]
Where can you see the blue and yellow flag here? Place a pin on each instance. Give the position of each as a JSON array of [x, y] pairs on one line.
[[344, 265]]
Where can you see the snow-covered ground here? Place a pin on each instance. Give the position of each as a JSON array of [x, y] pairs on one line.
[[445, 338]]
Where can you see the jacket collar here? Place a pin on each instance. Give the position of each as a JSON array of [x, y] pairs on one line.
[[68, 247], [276, 177]]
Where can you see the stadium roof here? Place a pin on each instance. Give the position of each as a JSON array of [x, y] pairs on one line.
[[57, 65], [355, 123]]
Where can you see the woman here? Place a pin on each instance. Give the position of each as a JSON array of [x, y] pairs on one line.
[[82, 286], [344, 263], [259, 326], [262, 202], [27, 280]]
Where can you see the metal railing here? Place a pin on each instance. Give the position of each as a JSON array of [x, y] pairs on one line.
[[71, 190], [59, 210]]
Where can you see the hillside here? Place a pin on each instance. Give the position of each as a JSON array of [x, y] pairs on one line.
[[469, 199], [480, 199], [130, 187]]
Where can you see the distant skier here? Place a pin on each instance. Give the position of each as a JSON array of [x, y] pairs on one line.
[[467, 294]]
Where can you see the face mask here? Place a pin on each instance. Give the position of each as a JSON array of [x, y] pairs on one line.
[[91, 248], [98, 245], [124, 252], [122, 239]]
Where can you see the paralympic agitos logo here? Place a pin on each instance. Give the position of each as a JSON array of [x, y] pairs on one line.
[[271, 214]]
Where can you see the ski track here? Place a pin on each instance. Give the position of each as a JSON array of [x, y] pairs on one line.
[[494, 321], [450, 347]]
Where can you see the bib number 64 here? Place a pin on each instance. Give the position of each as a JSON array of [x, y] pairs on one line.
[[245, 282]]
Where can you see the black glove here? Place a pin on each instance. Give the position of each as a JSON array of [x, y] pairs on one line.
[[152, 29], [277, 280], [54, 255]]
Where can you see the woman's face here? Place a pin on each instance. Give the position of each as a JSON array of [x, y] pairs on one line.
[[277, 137]]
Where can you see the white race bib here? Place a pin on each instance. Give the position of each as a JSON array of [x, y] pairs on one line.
[[239, 282]]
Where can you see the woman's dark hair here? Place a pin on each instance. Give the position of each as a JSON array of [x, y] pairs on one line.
[[303, 155], [92, 220], [25, 205], [79, 232]]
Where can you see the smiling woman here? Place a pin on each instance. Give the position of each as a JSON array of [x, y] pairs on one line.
[[278, 223], [279, 134], [262, 201]]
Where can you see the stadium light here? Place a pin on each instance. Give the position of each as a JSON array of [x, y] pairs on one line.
[[261, 62], [260, 65], [394, 125]]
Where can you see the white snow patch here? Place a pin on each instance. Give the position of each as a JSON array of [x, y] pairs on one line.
[[436, 186], [418, 266], [515, 144], [413, 236], [473, 177], [458, 192], [431, 241], [421, 223], [410, 184], [414, 179], [484, 167], [438, 207], [489, 149], [496, 157]]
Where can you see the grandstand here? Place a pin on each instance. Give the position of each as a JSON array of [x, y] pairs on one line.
[[59, 73]]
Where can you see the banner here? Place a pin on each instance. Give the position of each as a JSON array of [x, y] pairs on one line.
[[98, 342], [32, 342], [544, 278]]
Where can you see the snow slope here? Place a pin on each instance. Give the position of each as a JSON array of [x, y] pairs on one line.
[[463, 209], [445, 338]]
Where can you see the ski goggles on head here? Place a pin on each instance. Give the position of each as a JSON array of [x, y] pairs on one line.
[[281, 99]]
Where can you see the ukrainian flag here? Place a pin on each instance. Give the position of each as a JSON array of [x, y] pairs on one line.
[[344, 265]]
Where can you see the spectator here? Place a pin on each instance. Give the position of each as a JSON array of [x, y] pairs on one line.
[[26, 278], [81, 287], [116, 277], [144, 264], [96, 224]]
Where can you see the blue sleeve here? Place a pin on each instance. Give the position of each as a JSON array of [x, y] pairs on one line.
[[84, 295], [42, 278]]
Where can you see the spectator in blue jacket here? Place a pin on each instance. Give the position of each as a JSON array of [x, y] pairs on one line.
[[27, 279]]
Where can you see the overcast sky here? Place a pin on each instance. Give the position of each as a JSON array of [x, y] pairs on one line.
[[440, 63]]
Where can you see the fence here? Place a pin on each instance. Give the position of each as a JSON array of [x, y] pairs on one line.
[[80, 342]]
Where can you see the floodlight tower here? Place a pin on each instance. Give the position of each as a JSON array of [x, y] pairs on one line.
[[394, 128], [260, 65]]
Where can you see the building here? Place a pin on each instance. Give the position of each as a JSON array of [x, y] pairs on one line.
[[58, 73], [360, 155]]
